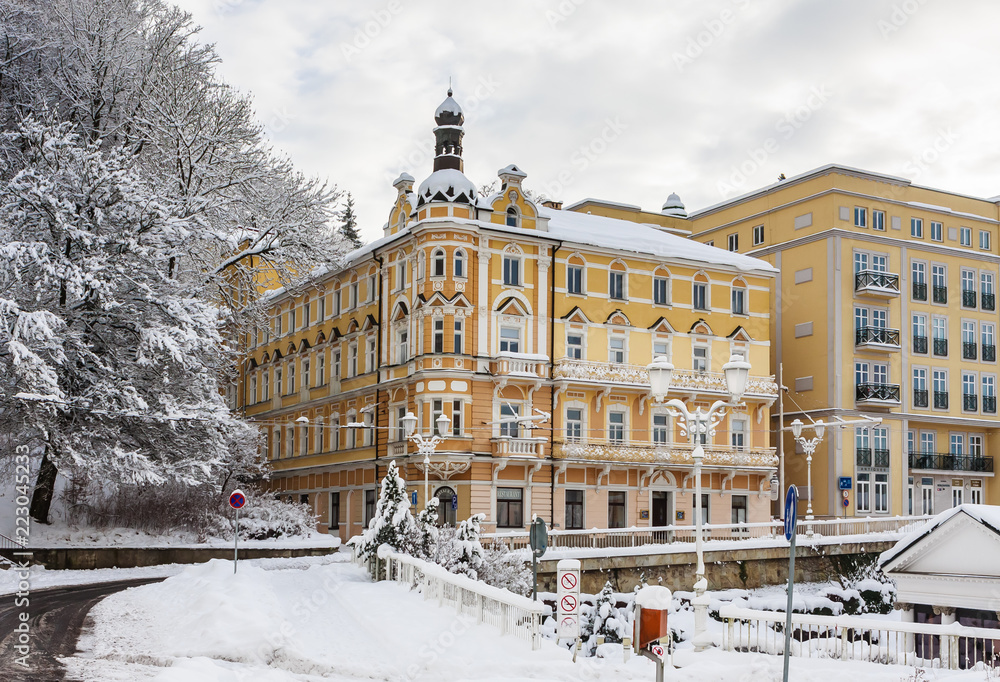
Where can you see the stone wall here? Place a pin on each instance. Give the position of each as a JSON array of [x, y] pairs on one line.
[[130, 557]]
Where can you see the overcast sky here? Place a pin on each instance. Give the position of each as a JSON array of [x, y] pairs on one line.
[[625, 101]]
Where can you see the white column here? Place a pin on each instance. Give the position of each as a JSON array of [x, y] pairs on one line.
[[907, 615]]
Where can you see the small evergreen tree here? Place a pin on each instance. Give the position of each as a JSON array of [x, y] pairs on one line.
[[427, 530], [469, 555], [349, 224], [393, 523], [605, 620]]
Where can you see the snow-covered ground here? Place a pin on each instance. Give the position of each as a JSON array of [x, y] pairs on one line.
[[324, 620]]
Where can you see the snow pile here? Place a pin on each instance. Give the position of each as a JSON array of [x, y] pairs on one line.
[[654, 597]]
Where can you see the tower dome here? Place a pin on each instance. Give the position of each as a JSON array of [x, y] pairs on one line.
[[448, 182], [448, 112], [673, 206]]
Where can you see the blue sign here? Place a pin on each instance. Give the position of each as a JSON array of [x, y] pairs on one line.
[[413, 498], [791, 511], [237, 499], [845, 482], [846, 502], [454, 502]]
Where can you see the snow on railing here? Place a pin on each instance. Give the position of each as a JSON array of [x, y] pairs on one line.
[[510, 613], [950, 646], [8, 543], [637, 536]]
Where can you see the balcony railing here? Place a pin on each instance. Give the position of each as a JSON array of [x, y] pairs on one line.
[[988, 301], [970, 402], [949, 462], [920, 398], [941, 400], [940, 294], [520, 364], [881, 457], [968, 298], [638, 375], [876, 282], [669, 453], [989, 404], [878, 336], [504, 445], [866, 457], [919, 344], [941, 347], [885, 393], [863, 456], [989, 353], [920, 291], [969, 350]]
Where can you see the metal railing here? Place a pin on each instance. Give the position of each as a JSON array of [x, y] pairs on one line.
[[970, 402], [877, 335], [941, 400], [9, 543], [968, 298], [875, 279], [969, 349], [989, 352], [881, 392], [953, 646], [920, 291], [881, 457], [941, 347], [921, 398], [988, 301], [989, 404], [940, 294], [949, 462], [510, 613], [919, 344]]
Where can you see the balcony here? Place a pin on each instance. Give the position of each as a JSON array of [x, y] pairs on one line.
[[397, 449], [989, 352], [519, 365], [989, 404], [881, 458], [948, 462], [920, 398], [876, 337], [970, 402], [920, 344], [504, 446], [988, 301], [920, 291], [968, 298], [969, 350], [876, 283], [941, 400], [683, 380], [940, 294], [863, 457], [941, 347], [670, 453], [877, 394]]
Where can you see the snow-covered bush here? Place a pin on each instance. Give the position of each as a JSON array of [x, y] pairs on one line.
[[264, 517], [427, 530], [467, 552], [393, 524], [506, 570]]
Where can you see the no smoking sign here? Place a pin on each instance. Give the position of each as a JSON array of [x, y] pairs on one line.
[[569, 604]]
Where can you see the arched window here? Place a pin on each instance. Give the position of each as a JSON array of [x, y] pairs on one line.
[[438, 263], [459, 263], [512, 217]]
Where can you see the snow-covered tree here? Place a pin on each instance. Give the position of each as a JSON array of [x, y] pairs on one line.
[[427, 530], [506, 570], [602, 620], [349, 223], [393, 523], [468, 556]]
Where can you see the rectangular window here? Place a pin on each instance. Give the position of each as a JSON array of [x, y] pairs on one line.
[[510, 339], [321, 370], [574, 279], [616, 349], [706, 507], [987, 298], [616, 427], [456, 418], [928, 442], [438, 336], [354, 295], [291, 320], [956, 444], [860, 261], [660, 296], [920, 387], [305, 374], [574, 510], [352, 368], [512, 271], [919, 333], [660, 429], [322, 308], [965, 236], [699, 296], [371, 362], [739, 297], [336, 365], [739, 509], [574, 425], [984, 240], [616, 285], [402, 346], [291, 378], [459, 346], [734, 242], [265, 389], [661, 349], [937, 231], [758, 235], [939, 330], [860, 217], [878, 220], [574, 346], [737, 433], [616, 509], [510, 507], [277, 443], [253, 390], [989, 394], [334, 520], [401, 274], [881, 493], [369, 506], [916, 228], [370, 289], [863, 493], [508, 420], [700, 360], [968, 280], [976, 492], [940, 385], [975, 446]]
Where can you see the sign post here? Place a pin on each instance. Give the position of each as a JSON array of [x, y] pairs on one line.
[[236, 500], [539, 540], [568, 600], [791, 513]]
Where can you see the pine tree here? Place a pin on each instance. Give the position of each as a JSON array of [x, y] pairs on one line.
[[393, 524], [469, 556], [349, 223], [427, 530]]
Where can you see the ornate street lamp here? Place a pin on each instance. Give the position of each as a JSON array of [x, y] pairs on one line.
[[425, 446]]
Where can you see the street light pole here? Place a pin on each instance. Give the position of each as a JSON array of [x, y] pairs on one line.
[[425, 446], [698, 425]]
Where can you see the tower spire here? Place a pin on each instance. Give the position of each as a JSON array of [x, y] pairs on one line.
[[448, 134]]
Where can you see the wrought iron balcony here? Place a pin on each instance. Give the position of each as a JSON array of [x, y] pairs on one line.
[[949, 462], [970, 402], [940, 294], [876, 283], [920, 291], [877, 393], [863, 456], [941, 347], [968, 298], [876, 336], [941, 400], [969, 350], [920, 398], [988, 301], [989, 404], [989, 352], [919, 344], [866, 457], [881, 458]]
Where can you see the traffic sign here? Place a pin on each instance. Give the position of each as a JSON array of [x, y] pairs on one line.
[[538, 537], [413, 498], [454, 502], [791, 511], [568, 603], [237, 499], [569, 581], [847, 502], [657, 650], [844, 482]]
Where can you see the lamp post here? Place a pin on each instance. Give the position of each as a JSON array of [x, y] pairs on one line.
[[425, 446], [809, 446], [698, 425]]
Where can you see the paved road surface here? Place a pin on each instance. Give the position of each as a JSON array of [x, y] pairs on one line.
[[56, 617]]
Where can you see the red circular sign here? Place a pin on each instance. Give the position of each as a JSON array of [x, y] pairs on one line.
[[657, 650], [237, 499], [568, 603], [568, 581]]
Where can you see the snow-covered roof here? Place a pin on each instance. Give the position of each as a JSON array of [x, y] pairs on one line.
[[512, 170], [988, 515], [624, 235], [449, 105], [449, 183], [604, 202]]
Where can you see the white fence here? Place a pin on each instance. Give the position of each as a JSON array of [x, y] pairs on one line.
[[951, 646], [510, 613], [602, 538]]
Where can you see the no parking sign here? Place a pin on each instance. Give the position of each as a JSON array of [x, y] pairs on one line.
[[568, 598]]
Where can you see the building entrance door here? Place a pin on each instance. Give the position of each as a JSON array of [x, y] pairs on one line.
[[661, 514], [447, 509]]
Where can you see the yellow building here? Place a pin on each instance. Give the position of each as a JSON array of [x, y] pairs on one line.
[[490, 310], [884, 305]]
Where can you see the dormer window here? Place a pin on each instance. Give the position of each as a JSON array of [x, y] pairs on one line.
[[511, 217]]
